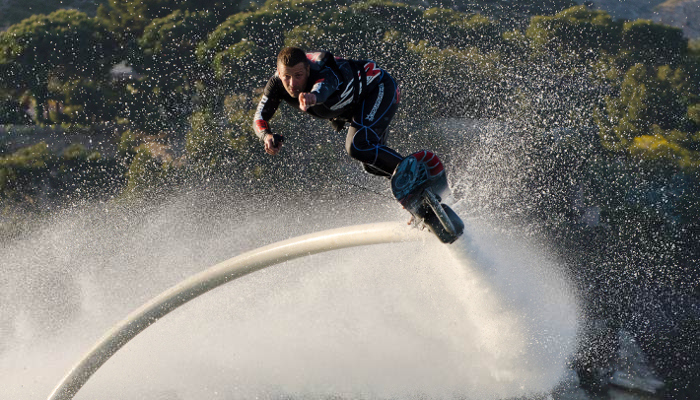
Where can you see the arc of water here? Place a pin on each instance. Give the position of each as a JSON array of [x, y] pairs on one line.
[[198, 284]]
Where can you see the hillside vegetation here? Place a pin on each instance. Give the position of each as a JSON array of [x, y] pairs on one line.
[[194, 64]]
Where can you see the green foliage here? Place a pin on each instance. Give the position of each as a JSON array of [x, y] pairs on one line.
[[374, 17], [86, 101], [243, 66], [264, 27], [665, 147], [454, 78], [14, 11], [351, 31], [654, 44], [34, 175], [31, 157], [169, 45], [239, 111], [146, 172], [65, 39], [39, 53], [128, 142], [507, 10], [577, 33], [694, 113], [150, 108], [650, 117], [77, 152], [308, 37], [164, 95], [445, 28], [131, 17], [207, 142], [12, 112], [192, 58], [359, 31], [18, 170], [225, 139], [515, 44], [693, 54]]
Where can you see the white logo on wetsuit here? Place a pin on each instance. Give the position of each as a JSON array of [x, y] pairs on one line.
[[380, 96], [261, 105], [346, 97]]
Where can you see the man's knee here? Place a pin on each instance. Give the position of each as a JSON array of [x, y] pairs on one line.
[[356, 147], [355, 153], [349, 147]]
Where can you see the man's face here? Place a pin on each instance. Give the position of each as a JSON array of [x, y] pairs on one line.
[[294, 78]]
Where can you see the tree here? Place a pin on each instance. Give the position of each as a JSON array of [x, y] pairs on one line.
[[169, 45], [264, 27], [646, 42], [12, 112], [20, 170], [207, 142], [445, 28], [168, 67], [44, 50], [87, 101], [574, 34], [146, 172], [506, 10], [243, 66], [452, 81], [652, 116], [131, 17], [14, 11]]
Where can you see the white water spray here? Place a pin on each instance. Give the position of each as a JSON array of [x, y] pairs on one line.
[[384, 321]]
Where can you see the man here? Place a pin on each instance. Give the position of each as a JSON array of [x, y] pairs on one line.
[[338, 90]]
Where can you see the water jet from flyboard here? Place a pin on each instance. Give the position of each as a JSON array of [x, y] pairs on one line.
[[246, 263]]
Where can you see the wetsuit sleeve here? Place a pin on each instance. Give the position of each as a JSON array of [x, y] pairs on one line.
[[267, 107], [326, 84]]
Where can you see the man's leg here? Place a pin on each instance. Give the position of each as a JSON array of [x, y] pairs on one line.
[[366, 137]]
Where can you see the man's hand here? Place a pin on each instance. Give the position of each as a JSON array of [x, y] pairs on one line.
[[306, 100], [272, 146]]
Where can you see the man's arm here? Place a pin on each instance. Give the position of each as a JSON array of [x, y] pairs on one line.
[[325, 85], [323, 88], [267, 107]]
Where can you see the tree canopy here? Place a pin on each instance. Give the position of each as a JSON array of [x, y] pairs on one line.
[[634, 80]]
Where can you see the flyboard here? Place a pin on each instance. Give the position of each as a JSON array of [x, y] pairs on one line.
[[419, 183]]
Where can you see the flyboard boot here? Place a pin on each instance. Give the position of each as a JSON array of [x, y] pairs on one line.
[[419, 183]]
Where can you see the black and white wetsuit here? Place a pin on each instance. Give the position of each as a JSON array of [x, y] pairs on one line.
[[351, 91]]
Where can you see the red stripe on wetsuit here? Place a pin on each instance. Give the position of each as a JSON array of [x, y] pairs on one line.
[[262, 125], [431, 160]]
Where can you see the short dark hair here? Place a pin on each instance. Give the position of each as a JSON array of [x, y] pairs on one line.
[[291, 56]]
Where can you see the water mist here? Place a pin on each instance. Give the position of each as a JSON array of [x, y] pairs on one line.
[[490, 316]]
